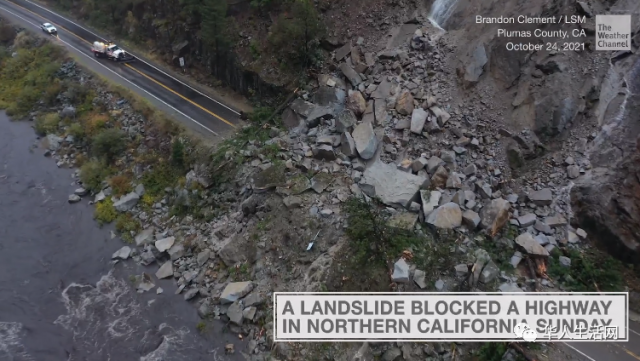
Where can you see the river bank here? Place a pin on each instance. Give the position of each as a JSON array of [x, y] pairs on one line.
[[62, 297]]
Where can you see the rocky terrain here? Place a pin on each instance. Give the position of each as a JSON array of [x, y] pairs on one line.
[[514, 164]]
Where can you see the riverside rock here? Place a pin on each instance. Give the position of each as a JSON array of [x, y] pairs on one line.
[[235, 291], [365, 140], [123, 253], [447, 216], [164, 244], [127, 202], [165, 271]]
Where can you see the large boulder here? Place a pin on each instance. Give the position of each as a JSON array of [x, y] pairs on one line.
[[237, 249], [356, 103], [127, 202], [392, 186], [365, 139], [447, 216]]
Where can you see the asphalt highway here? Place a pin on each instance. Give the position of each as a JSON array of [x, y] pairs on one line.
[[197, 111]]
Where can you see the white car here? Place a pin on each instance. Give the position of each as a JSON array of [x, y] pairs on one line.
[[49, 29]]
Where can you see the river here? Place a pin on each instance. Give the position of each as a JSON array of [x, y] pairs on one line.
[[61, 296]]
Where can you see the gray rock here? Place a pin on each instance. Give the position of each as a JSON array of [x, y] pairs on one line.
[[495, 215], [440, 177], [439, 285], [145, 237], [249, 313], [345, 120], [515, 259], [418, 164], [543, 197], [430, 200], [475, 65], [81, 192], [292, 202], [462, 270], [249, 205], [572, 237], [203, 257], [123, 253], [353, 77], [418, 118], [99, 197], [573, 171], [527, 219], [565, 261], [470, 219], [127, 202], [555, 221], [363, 354], [191, 294], [234, 312], [54, 142], [348, 145], [530, 245], [419, 277], [392, 354], [393, 186], [365, 140], [447, 216], [147, 257], [68, 112], [235, 291], [324, 152], [542, 227], [454, 181], [509, 287], [175, 252], [400, 271], [442, 116], [404, 221], [164, 244], [139, 190], [470, 170], [74, 198], [165, 271], [433, 164], [581, 233], [489, 273]]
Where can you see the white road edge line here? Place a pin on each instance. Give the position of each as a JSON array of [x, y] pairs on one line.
[[637, 333], [151, 65], [120, 76], [580, 352]]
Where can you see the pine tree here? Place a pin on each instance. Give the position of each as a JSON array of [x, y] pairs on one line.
[[215, 33]]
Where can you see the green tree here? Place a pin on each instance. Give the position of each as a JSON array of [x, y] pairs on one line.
[[297, 33], [215, 29], [109, 144]]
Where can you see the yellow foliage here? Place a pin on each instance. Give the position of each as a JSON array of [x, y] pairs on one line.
[[105, 212]]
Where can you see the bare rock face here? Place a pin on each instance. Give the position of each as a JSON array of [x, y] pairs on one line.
[[606, 200]]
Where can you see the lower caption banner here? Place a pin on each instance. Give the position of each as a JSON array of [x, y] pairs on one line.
[[470, 317]]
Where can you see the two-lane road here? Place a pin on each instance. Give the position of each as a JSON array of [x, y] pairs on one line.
[[197, 111]]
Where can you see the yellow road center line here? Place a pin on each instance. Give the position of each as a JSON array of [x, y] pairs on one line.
[[136, 70], [181, 96]]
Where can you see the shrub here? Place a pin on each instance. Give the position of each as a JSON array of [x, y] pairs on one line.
[[126, 224], [120, 185], [92, 174], [109, 144], [94, 123], [177, 153], [161, 177], [47, 123], [51, 93], [590, 271], [105, 212], [81, 159], [76, 131]]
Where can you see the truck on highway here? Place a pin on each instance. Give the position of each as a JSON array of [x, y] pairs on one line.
[[110, 51]]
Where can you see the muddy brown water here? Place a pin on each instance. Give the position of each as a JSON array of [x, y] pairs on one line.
[[61, 297]]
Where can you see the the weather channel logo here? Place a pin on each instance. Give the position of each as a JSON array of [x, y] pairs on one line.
[[484, 317], [613, 32]]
